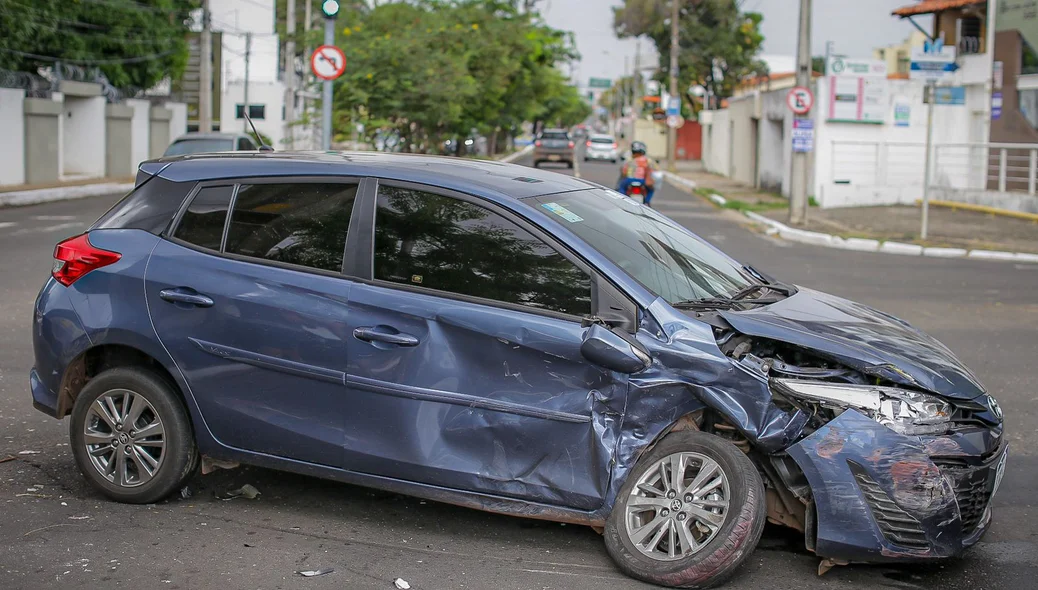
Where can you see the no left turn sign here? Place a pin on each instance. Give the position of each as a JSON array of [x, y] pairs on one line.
[[328, 62], [800, 100]]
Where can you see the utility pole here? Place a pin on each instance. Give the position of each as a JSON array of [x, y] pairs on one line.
[[798, 176], [245, 92], [290, 73], [931, 97], [205, 73], [675, 39], [308, 20], [621, 92], [636, 98], [330, 8]]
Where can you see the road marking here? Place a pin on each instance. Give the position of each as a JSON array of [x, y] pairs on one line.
[[576, 166], [53, 217], [49, 228], [7, 224], [1025, 266]]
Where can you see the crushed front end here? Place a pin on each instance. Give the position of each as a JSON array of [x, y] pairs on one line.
[[884, 471]]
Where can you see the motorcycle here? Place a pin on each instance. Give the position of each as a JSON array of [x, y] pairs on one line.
[[636, 188]]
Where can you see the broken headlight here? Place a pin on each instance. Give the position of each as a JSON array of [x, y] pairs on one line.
[[901, 410]]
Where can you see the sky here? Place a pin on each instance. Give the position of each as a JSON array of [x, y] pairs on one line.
[[855, 26]]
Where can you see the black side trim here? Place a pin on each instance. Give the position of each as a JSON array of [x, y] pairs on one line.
[[273, 363], [461, 399]]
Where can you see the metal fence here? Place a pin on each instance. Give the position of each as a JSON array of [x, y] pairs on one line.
[[1002, 167], [47, 81], [34, 86]]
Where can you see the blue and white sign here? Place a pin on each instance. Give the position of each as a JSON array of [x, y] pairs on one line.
[[996, 106], [902, 115], [950, 95], [674, 106], [934, 63], [803, 135]]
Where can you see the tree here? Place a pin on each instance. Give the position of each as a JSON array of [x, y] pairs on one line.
[[134, 44], [719, 43], [818, 64]]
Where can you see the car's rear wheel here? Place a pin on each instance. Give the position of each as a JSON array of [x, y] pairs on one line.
[[131, 436], [691, 511]]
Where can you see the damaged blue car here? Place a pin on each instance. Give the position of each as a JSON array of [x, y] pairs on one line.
[[509, 340]]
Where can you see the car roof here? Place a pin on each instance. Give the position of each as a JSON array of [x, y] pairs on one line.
[[483, 177], [601, 136], [213, 135]]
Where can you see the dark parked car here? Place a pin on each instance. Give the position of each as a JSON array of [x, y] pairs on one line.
[[510, 340], [553, 145], [196, 143]]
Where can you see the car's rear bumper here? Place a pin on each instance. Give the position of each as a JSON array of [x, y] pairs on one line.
[[880, 496], [601, 155], [553, 155], [43, 399]]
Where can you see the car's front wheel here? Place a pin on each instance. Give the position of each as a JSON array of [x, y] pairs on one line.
[[691, 511], [131, 436]]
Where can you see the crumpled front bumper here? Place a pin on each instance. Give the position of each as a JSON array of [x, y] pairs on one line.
[[882, 496]]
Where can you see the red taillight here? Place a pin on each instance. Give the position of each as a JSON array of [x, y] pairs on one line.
[[76, 256], [537, 143], [588, 144], [571, 144], [614, 145]]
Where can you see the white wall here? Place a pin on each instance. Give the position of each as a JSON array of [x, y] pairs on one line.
[[775, 143], [12, 148], [139, 131], [178, 124], [269, 94], [83, 138], [741, 114], [716, 141], [886, 165]]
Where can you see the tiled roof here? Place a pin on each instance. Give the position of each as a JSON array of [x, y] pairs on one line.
[[931, 6]]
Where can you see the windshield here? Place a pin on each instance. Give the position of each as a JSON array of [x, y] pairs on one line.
[[601, 139], [662, 256], [554, 135], [195, 146]]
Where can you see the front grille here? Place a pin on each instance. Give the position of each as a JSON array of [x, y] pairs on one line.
[[973, 499], [898, 526]]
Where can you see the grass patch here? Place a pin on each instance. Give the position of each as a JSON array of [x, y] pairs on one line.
[[755, 207], [705, 192]]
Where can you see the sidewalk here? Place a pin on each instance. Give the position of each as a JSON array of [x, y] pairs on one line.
[[948, 228]]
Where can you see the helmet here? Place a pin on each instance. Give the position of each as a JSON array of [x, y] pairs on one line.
[[638, 148]]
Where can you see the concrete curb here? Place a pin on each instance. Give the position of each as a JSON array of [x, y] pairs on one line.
[[866, 245], [516, 155], [62, 193], [680, 181]]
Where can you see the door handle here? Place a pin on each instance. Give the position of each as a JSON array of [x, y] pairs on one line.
[[369, 334], [186, 295]]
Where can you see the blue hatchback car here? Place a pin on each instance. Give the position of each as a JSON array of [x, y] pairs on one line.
[[510, 340]]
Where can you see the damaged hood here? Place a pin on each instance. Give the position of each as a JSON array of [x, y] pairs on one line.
[[861, 337]]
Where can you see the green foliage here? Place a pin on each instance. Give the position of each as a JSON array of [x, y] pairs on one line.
[[91, 32], [719, 43], [435, 69], [818, 64]]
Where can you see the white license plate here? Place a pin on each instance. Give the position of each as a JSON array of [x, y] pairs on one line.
[[553, 157]]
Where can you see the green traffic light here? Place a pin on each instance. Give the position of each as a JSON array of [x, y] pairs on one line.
[[330, 8]]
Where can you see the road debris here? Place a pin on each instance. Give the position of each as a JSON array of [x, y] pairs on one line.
[[8, 458], [185, 492], [312, 573], [401, 584], [28, 452], [246, 491]]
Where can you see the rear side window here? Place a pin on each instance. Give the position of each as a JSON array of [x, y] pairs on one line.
[[438, 242], [302, 224], [151, 206], [202, 223]]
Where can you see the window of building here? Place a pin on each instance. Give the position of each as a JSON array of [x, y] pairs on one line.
[[256, 111]]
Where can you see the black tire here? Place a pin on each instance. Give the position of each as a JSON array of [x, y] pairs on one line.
[[180, 455], [735, 540]]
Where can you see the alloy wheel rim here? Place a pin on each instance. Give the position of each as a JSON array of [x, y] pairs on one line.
[[124, 438], [677, 506]]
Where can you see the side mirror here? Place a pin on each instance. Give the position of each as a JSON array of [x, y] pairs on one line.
[[609, 349]]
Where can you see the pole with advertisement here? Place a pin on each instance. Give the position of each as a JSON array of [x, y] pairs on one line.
[[932, 63], [330, 8]]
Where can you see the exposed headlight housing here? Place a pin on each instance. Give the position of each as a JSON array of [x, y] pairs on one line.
[[903, 411]]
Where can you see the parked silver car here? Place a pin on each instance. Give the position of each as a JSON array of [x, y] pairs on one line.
[[601, 147]]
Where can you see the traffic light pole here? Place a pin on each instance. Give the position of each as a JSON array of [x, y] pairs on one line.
[[326, 102]]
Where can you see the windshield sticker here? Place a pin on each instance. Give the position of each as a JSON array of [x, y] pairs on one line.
[[563, 212]]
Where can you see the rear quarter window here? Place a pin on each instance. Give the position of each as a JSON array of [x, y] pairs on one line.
[[150, 206]]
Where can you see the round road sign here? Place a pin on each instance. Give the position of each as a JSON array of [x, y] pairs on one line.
[[328, 62], [675, 121], [800, 100]]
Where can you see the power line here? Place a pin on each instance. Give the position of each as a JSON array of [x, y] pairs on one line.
[[103, 35], [90, 62]]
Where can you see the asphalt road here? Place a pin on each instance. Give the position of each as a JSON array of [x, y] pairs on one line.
[[57, 532]]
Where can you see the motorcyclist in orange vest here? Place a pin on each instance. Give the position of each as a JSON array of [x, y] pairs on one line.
[[640, 167]]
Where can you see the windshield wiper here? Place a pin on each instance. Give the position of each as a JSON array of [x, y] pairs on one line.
[[705, 303]]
